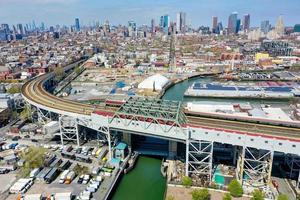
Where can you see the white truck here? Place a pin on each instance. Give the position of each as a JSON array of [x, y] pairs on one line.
[[32, 197], [63, 176], [63, 196], [34, 172]]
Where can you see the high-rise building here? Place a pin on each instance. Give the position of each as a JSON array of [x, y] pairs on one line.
[[3, 35], [246, 23], [152, 26], [181, 22], [77, 25], [214, 24], [132, 29], [238, 25], [5, 27], [265, 26], [161, 22], [165, 23], [220, 27], [297, 28], [20, 29], [279, 28], [232, 23]]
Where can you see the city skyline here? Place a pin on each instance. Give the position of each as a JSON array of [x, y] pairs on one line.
[[51, 11]]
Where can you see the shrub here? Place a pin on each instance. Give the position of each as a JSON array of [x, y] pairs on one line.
[[257, 195], [187, 181], [200, 194], [282, 197], [227, 196], [235, 188]]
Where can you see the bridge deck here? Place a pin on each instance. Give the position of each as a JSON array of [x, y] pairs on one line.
[[35, 92]]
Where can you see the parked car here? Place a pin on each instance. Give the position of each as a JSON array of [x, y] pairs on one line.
[[80, 179]]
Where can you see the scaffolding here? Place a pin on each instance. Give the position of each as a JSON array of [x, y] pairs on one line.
[[69, 130], [199, 158], [168, 115], [254, 167]]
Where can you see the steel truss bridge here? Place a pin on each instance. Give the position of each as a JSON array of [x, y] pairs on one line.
[[254, 144]]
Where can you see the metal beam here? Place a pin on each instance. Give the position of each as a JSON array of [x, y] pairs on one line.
[[254, 167]]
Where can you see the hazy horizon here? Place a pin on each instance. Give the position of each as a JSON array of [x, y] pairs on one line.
[[199, 12]]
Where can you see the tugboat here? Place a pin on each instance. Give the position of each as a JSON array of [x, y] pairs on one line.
[[131, 162]]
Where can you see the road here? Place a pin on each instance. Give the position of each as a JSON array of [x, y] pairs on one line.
[[284, 188]]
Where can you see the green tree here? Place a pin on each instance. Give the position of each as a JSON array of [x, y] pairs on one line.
[[14, 90], [282, 197], [257, 195], [77, 70], [200, 194], [227, 196], [26, 113], [79, 169], [170, 198], [34, 157], [235, 188], [187, 181], [59, 73]]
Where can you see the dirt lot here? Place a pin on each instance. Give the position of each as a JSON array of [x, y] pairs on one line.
[[181, 193]]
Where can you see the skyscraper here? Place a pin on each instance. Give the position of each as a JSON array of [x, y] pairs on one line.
[[132, 29], [279, 28], [165, 23], [77, 25], [181, 22], [20, 29], [232, 23], [246, 23], [152, 26], [238, 25], [214, 24], [265, 26]]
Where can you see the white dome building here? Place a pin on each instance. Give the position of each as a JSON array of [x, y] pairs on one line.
[[156, 82]]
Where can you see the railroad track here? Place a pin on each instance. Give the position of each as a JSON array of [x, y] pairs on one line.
[[34, 90], [245, 127]]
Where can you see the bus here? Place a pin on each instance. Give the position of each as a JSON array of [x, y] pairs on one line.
[[51, 175]]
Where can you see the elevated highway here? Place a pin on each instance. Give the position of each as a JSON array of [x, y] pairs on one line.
[[167, 120]]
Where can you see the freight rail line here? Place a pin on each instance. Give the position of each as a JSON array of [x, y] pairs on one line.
[[247, 127], [34, 90]]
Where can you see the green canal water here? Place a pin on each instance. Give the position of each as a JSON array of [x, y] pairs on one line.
[[144, 182]]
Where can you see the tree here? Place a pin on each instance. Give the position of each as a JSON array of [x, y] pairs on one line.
[[26, 113], [59, 73], [77, 70], [235, 188], [79, 170], [257, 195], [170, 198], [187, 181], [34, 158], [200, 194], [282, 197], [14, 90], [227, 196]]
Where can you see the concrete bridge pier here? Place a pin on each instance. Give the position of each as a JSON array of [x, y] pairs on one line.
[[172, 149], [127, 138]]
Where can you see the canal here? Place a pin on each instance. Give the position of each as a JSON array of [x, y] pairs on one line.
[[143, 182]]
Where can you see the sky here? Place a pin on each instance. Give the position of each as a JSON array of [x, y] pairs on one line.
[[199, 12]]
